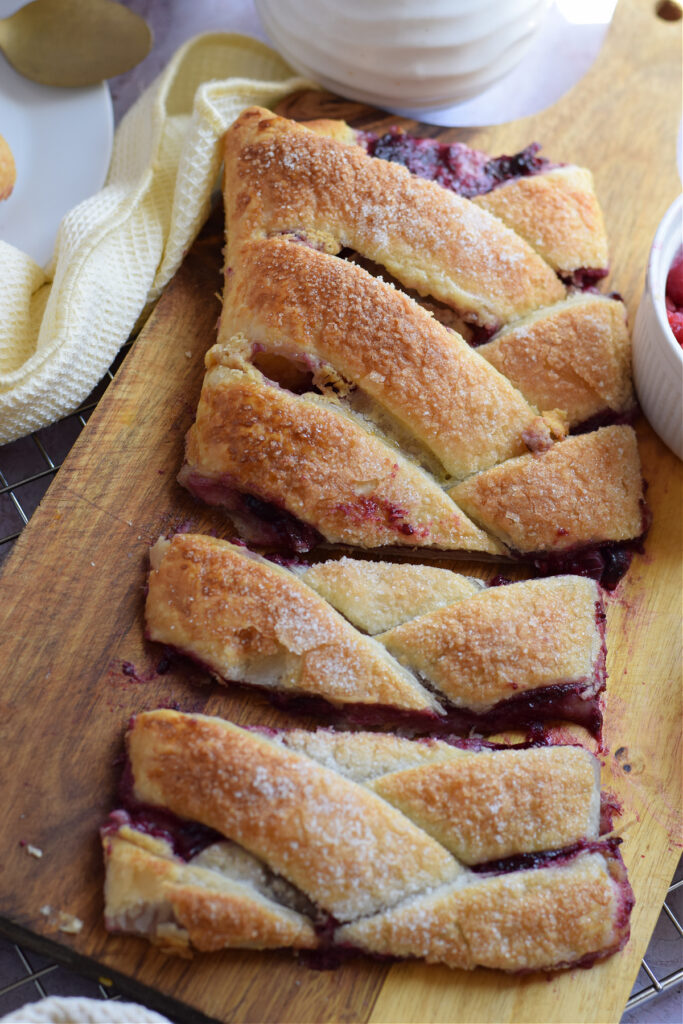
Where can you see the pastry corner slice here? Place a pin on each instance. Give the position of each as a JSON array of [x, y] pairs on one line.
[[574, 356], [255, 447], [182, 906], [550, 917], [248, 620], [558, 213], [583, 491], [376, 596]]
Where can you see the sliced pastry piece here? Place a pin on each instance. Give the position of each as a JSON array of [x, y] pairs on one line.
[[285, 839], [315, 462], [248, 620], [282, 178], [500, 657], [574, 357], [288, 307], [581, 492]]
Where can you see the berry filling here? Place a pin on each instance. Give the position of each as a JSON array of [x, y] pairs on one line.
[[469, 172], [260, 522], [674, 297]]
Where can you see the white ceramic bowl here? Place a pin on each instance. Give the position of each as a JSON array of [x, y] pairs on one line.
[[657, 356], [421, 54]]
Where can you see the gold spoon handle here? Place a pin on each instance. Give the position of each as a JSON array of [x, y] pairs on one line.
[[74, 42]]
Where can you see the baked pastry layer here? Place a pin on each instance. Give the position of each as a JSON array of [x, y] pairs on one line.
[[462, 654], [319, 464], [336, 408], [574, 356], [584, 490], [341, 827], [281, 178]]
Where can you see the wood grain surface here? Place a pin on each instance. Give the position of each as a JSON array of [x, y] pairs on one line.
[[71, 597]]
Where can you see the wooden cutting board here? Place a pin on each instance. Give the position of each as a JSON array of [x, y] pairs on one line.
[[71, 599]]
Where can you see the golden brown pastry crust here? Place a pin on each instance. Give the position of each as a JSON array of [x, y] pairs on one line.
[[557, 213], [343, 846], [485, 648], [319, 464], [376, 596], [584, 490], [399, 890], [282, 178], [344, 406], [248, 620], [481, 805], [574, 356], [342, 322], [524, 920], [178, 905]]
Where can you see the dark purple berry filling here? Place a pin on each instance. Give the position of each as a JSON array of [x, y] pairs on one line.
[[469, 172], [261, 522]]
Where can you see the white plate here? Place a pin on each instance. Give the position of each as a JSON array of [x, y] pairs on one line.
[[61, 140]]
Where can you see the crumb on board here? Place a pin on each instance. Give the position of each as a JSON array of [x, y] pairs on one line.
[[61, 920]]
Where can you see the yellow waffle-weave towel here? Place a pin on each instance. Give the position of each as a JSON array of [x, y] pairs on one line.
[[60, 328]]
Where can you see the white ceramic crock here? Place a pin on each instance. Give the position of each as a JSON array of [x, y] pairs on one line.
[[657, 356], [421, 54]]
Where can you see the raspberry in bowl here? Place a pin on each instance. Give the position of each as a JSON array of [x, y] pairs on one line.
[[658, 333]]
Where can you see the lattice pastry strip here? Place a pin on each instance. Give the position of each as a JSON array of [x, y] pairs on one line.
[[320, 850], [458, 654], [337, 408]]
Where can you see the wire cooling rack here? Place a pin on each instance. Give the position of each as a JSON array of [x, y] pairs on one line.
[[27, 467]]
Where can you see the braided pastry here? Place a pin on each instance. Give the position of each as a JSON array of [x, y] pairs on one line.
[[237, 838], [341, 404], [448, 652]]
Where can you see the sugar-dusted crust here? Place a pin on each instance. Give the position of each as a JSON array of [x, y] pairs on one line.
[[8, 171], [557, 213], [319, 464], [376, 596], [247, 620], [347, 849], [334, 317], [482, 649], [314, 844], [524, 920], [574, 356], [339, 130], [584, 490], [177, 905], [483, 805], [282, 178]]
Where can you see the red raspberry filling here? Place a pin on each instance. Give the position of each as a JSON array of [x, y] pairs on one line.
[[674, 297]]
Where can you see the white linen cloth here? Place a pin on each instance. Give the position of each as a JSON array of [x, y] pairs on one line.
[[60, 328]]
